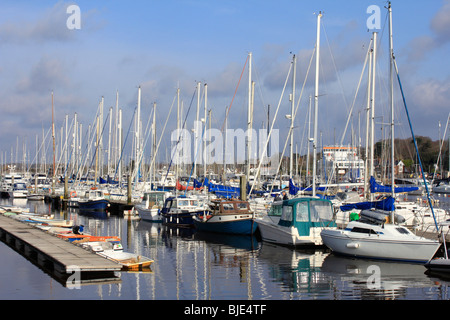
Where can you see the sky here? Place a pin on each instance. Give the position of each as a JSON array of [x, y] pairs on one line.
[[163, 46]]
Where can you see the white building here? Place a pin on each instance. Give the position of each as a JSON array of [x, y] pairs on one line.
[[342, 164]]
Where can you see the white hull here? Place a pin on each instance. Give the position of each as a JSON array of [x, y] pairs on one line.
[[18, 194], [384, 245], [152, 215], [288, 236]]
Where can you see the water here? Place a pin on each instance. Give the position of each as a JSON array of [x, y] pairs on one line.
[[196, 266]]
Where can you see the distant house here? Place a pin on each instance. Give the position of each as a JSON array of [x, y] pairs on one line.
[[399, 168]]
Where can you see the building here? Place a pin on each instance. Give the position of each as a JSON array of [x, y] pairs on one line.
[[342, 164]]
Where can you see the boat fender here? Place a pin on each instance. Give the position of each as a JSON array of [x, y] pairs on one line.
[[78, 229], [352, 245]]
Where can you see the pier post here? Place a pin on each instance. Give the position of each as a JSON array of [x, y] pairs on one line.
[[128, 190], [243, 185]]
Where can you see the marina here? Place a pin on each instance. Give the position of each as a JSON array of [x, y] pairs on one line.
[[159, 195], [192, 265]]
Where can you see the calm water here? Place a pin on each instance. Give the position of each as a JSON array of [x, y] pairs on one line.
[[195, 266]]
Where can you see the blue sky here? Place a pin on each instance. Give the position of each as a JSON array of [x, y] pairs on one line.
[[162, 45]]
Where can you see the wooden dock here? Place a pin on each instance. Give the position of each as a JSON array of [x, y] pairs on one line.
[[52, 253]]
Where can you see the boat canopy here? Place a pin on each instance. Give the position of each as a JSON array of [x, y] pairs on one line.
[[293, 189], [378, 188], [304, 213], [386, 204]]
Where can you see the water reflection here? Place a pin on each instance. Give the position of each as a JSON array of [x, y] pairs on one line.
[[191, 265]]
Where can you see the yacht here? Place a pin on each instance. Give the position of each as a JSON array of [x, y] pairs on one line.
[[373, 236], [297, 222]]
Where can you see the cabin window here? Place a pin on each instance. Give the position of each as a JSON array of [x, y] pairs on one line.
[[194, 203], [183, 203], [302, 211], [402, 230], [286, 214], [363, 230], [242, 205], [228, 206], [321, 211], [275, 211]]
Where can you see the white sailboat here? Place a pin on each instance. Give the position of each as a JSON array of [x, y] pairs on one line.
[[376, 235]]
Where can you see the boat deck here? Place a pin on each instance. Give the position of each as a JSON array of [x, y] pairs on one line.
[[50, 252]]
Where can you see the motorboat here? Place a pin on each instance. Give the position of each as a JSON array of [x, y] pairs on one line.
[[178, 211], [94, 200], [227, 216], [297, 222], [114, 251], [373, 236], [152, 203]]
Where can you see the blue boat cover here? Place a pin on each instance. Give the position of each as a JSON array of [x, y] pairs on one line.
[[375, 188], [386, 204], [293, 189]]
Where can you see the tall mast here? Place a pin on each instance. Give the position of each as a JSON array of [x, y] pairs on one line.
[[138, 135], [291, 160], [196, 127], [366, 164], [153, 145], [204, 140], [372, 105], [54, 159], [391, 96], [316, 104], [249, 114]]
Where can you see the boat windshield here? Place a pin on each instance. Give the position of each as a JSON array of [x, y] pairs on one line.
[[20, 186], [321, 211], [275, 210], [286, 214]]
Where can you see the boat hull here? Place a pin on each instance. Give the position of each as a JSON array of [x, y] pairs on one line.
[[439, 265], [182, 220], [151, 215], [93, 205], [373, 247], [288, 236], [228, 225]]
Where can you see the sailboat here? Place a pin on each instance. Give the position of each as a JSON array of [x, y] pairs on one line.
[[297, 222], [375, 234]]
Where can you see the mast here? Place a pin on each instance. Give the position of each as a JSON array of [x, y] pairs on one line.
[[391, 97], [153, 172], [204, 139], [291, 157], [196, 128], [54, 158], [138, 136], [316, 104], [366, 164], [309, 137], [372, 105], [249, 114]]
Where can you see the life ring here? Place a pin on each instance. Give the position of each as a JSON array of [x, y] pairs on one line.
[[73, 194]]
